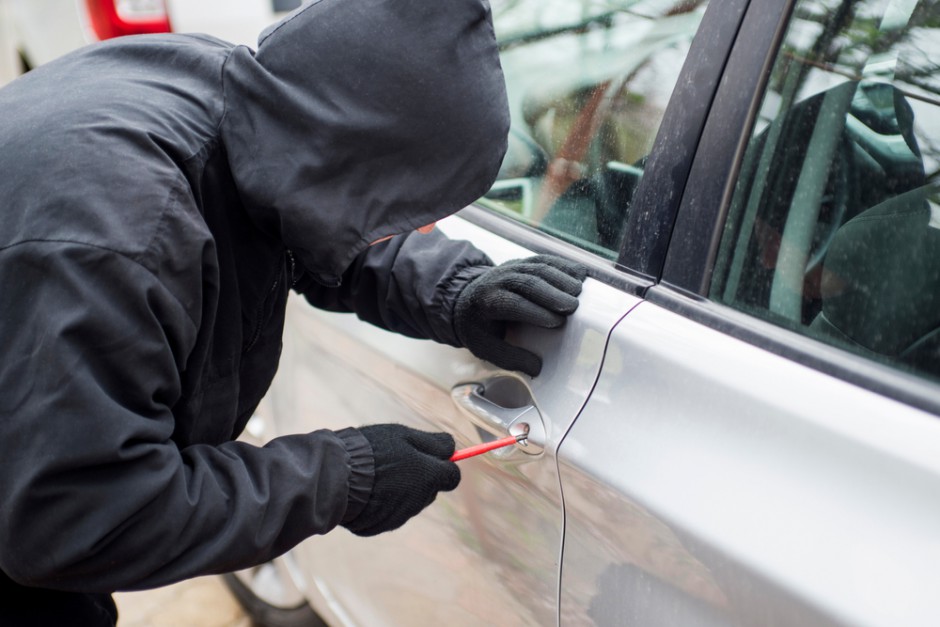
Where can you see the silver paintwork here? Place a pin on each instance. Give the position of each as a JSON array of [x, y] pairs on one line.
[[709, 482], [489, 552]]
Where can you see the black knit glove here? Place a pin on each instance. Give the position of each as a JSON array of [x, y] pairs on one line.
[[540, 290], [411, 467]]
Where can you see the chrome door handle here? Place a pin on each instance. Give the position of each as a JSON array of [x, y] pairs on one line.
[[498, 420]]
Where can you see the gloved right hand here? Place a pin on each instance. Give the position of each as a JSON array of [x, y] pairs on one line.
[[411, 467]]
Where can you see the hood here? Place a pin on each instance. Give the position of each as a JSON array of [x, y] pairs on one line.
[[359, 119]]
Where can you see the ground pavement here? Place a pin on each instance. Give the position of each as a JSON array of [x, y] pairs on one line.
[[201, 602]]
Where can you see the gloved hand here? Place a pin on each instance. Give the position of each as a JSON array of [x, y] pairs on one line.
[[411, 467], [540, 290]]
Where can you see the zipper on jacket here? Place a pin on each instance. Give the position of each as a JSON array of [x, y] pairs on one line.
[[259, 314], [293, 268]]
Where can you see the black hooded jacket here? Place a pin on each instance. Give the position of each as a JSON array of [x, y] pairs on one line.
[[159, 197]]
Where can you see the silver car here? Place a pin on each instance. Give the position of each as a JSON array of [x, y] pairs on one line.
[[739, 425]]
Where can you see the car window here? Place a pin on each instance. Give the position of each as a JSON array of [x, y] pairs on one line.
[[832, 229], [588, 82]]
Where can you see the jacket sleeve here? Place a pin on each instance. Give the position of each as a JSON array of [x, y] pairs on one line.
[[94, 495], [407, 284]]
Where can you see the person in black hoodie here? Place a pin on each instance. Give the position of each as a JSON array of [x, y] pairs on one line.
[[161, 195]]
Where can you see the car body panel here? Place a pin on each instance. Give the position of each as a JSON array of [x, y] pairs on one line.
[[708, 481], [489, 552], [46, 29]]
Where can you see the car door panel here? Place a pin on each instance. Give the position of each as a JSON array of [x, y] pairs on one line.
[[708, 481], [702, 466], [488, 553]]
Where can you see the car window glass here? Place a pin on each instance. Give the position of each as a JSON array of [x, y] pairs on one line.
[[588, 82], [834, 224]]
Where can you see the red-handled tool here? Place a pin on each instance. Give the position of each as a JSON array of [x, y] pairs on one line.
[[479, 449]]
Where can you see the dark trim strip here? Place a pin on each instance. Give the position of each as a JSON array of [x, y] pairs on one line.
[[539, 242], [704, 206], [660, 190]]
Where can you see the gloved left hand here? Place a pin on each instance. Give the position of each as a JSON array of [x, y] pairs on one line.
[[540, 290]]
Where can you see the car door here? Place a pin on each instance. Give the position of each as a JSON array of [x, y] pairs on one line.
[[763, 446], [489, 552], [588, 89]]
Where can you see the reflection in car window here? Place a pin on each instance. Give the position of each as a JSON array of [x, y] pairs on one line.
[[588, 82], [834, 224]]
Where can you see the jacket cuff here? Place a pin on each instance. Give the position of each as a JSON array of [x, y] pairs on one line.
[[361, 471], [449, 291]]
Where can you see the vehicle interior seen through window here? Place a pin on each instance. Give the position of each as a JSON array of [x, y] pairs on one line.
[[833, 225], [832, 230], [588, 85]]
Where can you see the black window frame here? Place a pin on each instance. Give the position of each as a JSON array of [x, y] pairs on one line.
[[657, 201], [704, 206]]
